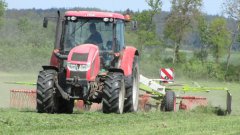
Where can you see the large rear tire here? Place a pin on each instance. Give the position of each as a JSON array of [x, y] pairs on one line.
[[45, 91], [114, 93], [132, 90]]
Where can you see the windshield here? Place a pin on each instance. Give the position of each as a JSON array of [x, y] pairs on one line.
[[88, 30]]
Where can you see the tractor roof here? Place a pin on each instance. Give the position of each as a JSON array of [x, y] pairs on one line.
[[94, 14]]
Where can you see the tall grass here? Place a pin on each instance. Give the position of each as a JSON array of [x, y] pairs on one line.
[[24, 58]]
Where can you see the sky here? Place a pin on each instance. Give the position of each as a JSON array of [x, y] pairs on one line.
[[212, 7]]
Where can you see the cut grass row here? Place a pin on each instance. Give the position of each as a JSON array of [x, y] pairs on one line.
[[155, 122]]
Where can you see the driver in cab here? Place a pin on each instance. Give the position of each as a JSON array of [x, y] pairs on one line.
[[95, 37]]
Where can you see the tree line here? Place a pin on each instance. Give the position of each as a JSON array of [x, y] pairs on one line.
[[216, 37]]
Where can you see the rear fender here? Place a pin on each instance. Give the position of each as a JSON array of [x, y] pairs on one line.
[[126, 60]]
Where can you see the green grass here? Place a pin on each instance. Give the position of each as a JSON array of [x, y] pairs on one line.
[[187, 123], [201, 121]]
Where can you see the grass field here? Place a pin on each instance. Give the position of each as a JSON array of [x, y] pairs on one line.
[[201, 121], [156, 122]]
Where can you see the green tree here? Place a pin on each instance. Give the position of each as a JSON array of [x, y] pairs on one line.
[[204, 37], [180, 20], [231, 9], [156, 7], [219, 37], [146, 27], [3, 5]]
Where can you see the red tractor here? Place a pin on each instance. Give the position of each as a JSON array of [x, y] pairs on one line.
[[90, 62]]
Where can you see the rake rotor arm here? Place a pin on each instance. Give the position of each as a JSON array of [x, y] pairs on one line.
[[156, 88]]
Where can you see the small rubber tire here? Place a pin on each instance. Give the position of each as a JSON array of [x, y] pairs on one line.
[[169, 102]]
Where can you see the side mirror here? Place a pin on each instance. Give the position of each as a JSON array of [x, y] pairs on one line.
[[134, 25], [45, 22]]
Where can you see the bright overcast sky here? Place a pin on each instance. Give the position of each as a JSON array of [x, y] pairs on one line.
[[210, 6]]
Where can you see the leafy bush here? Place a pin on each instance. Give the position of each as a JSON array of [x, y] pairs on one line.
[[201, 55], [233, 73], [214, 70], [183, 57], [194, 69]]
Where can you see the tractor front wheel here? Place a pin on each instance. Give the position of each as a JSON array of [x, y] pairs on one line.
[[45, 91], [114, 93]]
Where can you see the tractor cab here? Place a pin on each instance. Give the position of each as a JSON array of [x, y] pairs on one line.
[[97, 31], [104, 30]]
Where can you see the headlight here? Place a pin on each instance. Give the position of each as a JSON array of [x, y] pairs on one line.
[[76, 67], [84, 67], [72, 67]]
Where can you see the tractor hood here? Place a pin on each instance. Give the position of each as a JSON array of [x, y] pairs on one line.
[[83, 62]]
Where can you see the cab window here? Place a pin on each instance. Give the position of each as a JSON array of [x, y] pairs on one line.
[[119, 35]]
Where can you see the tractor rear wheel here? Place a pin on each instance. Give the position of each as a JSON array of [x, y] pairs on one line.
[[45, 91], [132, 91], [169, 101], [114, 93]]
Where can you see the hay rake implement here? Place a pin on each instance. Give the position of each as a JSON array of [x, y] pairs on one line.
[[159, 90]]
